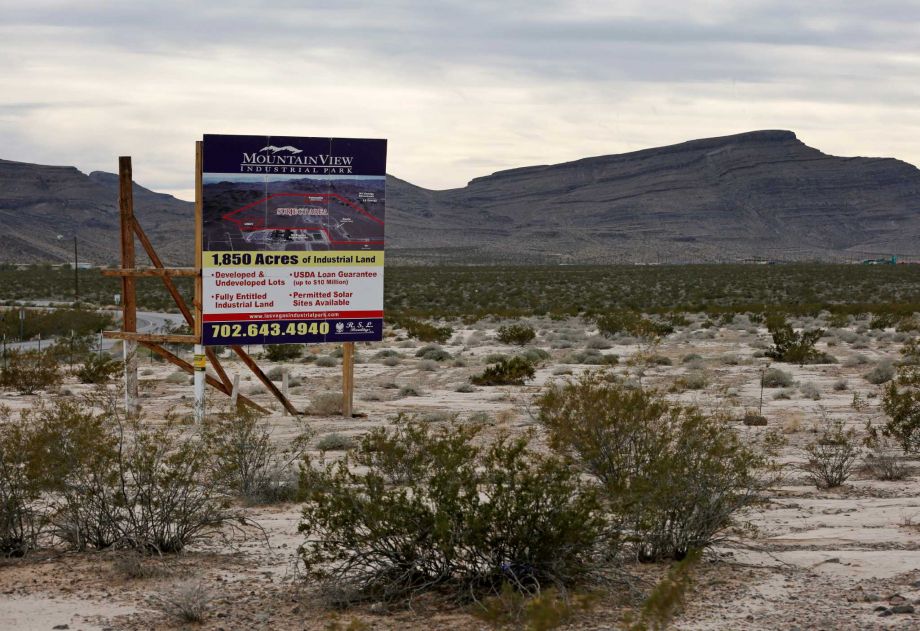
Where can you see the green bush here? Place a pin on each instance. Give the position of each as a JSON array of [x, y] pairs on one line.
[[632, 323], [882, 459], [108, 481], [283, 352], [98, 368], [464, 518], [432, 352], [21, 519], [830, 459], [674, 478], [513, 371], [29, 371], [883, 372], [776, 378], [518, 334], [335, 442], [425, 332], [534, 355], [245, 461], [326, 403], [791, 346], [54, 322], [901, 401]]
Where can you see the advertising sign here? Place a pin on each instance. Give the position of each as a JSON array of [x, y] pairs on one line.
[[292, 239]]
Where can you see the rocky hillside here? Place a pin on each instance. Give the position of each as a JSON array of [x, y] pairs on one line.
[[762, 194], [38, 203]]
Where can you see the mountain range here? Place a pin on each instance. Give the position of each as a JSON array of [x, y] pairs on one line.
[[750, 196]]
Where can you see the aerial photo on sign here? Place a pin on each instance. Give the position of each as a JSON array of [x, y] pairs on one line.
[[292, 239]]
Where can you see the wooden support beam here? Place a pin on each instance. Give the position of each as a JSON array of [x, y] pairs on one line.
[[126, 210], [187, 367], [215, 362], [170, 286], [151, 271], [157, 338], [348, 378], [254, 367], [129, 295]]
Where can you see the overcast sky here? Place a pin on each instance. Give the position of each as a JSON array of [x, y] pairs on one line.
[[460, 88]]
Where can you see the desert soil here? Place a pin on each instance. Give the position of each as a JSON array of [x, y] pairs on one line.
[[818, 559]]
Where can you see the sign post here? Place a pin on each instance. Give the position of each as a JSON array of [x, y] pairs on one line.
[[292, 242], [129, 310]]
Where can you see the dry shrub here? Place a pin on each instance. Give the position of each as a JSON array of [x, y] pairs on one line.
[[883, 372], [434, 509], [335, 442], [30, 371], [326, 404], [883, 458], [517, 333], [107, 481], [541, 611], [187, 602], [776, 378], [901, 401], [245, 461], [830, 459], [674, 477], [21, 518], [98, 368], [513, 371]]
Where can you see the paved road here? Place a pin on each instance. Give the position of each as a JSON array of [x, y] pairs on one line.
[[147, 322]]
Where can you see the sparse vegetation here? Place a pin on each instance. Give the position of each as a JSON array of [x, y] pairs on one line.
[[674, 477], [98, 368], [883, 372], [106, 480], [244, 459], [30, 371], [518, 334], [469, 519], [283, 352], [513, 371], [326, 403], [882, 460], [830, 459], [901, 401], [789, 345]]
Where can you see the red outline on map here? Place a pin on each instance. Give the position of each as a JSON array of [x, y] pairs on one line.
[[228, 216]]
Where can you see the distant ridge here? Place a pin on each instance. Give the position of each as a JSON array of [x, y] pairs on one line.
[[757, 195], [38, 203]]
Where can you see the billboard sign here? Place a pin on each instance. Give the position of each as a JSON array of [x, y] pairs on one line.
[[292, 239]]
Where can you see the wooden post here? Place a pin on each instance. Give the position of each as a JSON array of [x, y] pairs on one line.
[[284, 387], [235, 391], [129, 303], [254, 367], [348, 378], [211, 381]]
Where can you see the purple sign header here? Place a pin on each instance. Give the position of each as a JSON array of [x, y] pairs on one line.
[[290, 155]]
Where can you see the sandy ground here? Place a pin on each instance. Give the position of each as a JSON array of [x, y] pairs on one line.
[[819, 559]]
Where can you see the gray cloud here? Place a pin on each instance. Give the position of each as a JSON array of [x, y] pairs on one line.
[[457, 86]]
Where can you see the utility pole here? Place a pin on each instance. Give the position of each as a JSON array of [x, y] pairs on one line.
[[76, 276]]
